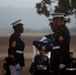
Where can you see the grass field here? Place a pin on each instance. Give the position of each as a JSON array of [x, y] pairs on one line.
[[28, 49]]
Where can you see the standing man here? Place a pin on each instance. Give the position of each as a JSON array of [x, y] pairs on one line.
[[16, 49], [61, 41], [60, 45]]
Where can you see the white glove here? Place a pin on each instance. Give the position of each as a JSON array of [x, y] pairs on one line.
[[62, 66], [43, 38], [18, 66]]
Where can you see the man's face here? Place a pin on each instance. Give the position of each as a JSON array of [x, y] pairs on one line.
[[20, 28], [54, 26], [57, 22], [60, 22]]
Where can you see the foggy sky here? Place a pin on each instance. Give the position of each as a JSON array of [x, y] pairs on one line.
[[18, 3], [30, 17]]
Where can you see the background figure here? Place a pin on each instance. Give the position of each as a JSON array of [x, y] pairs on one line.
[[6, 66], [16, 49], [40, 66], [71, 68]]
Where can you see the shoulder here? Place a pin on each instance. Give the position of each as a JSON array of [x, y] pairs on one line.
[[64, 28], [13, 37]]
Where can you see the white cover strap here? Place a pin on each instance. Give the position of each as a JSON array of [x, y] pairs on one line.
[[56, 47], [19, 52]]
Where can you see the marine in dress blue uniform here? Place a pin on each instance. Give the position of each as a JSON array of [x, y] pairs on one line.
[[60, 50], [16, 49], [60, 45]]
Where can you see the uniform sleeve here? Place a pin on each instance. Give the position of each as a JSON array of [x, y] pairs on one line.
[[59, 39], [12, 45]]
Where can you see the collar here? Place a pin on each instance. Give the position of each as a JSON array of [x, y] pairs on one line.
[[17, 34]]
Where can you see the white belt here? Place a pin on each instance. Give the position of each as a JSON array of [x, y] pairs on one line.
[[20, 52], [56, 47], [70, 69]]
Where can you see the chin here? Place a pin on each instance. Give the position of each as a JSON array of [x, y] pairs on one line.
[[21, 31]]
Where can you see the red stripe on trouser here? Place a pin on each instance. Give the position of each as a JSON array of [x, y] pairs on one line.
[[58, 70]]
